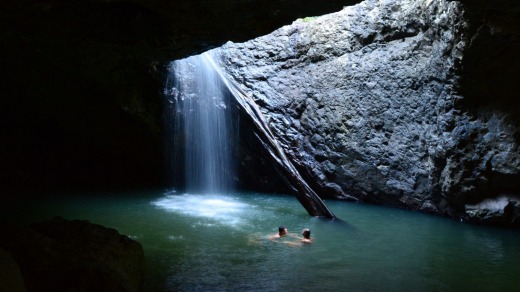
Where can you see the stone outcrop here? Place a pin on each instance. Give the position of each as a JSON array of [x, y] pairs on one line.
[[65, 255], [375, 103]]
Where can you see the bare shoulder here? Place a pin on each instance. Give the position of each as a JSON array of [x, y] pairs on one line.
[[274, 237]]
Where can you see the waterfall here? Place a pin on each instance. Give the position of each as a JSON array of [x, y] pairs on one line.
[[202, 149]]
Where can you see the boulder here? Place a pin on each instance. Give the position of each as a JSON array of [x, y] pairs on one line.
[[74, 255], [10, 276], [498, 211]]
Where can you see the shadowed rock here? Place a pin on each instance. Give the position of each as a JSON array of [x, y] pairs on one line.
[[65, 255], [10, 277]]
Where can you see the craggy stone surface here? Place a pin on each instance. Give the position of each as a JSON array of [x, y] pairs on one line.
[[65, 255], [369, 104]]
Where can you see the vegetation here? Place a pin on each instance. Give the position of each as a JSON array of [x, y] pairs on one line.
[[308, 19]]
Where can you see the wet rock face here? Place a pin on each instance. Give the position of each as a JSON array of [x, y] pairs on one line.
[[368, 104], [64, 255]]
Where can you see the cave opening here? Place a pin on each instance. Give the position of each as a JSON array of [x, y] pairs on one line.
[[407, 104]]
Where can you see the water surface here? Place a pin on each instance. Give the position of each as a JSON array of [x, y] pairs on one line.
[[219, 243]]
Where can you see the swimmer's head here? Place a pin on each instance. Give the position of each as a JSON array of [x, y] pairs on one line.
[[282, 230], [306, 233]]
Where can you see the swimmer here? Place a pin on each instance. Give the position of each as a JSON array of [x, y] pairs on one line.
[[282, 231], [306, 233]]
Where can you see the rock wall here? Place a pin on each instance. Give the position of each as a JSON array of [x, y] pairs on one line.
[[369, 104]]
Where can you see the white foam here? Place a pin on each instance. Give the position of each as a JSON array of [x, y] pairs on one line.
[[222, 208]]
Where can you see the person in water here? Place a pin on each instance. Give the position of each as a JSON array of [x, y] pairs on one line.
[[282, 231], [306, 233]]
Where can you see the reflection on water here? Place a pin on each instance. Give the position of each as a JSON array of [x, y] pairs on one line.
[[219, 243]]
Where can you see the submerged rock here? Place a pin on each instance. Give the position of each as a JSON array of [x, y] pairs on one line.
[[73, 255], [499, 211], [368, 103]]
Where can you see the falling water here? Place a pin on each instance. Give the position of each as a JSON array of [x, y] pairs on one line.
[[203, 133]]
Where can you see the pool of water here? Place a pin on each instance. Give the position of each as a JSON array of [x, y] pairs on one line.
[[198, 242]]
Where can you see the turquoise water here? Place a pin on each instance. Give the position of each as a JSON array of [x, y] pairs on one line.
[[219, 243]]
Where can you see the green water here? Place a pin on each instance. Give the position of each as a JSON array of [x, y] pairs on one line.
[[219, 243]]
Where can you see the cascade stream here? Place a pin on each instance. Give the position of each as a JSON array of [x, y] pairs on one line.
[[203, 126]]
